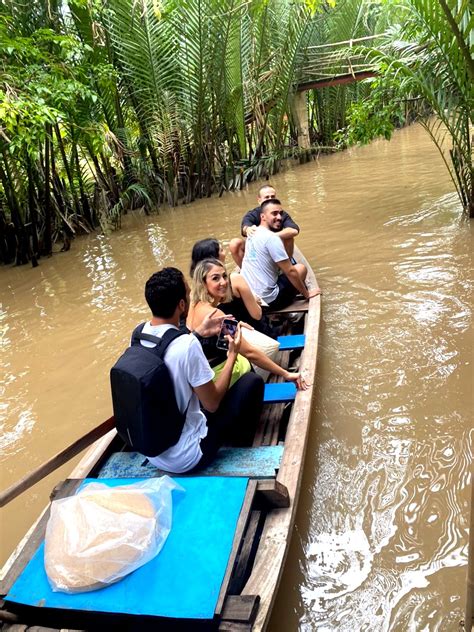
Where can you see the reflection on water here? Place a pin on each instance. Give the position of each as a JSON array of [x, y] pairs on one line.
[[101, 269], [158, 239], [10, 439], [381, 533]]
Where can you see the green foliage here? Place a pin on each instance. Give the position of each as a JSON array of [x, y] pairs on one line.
[[109, 105], [49, 118], [425, 68], [377, 115], [39, 86], [232, 59], [110, 218], [106, 106], [429, 56]]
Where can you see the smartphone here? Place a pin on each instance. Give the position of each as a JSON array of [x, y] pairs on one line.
[[229, 327]]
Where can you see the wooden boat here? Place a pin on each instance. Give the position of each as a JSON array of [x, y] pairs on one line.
[[263, 530]]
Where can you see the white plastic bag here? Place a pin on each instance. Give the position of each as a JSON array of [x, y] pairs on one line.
[[103, 533]]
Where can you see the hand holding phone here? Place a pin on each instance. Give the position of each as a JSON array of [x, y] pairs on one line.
[[229, 327]]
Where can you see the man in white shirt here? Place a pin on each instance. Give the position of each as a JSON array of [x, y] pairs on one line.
[[226, 414], [287, 230], [266, 266]]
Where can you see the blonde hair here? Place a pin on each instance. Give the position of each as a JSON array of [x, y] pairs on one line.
[[199, 291]]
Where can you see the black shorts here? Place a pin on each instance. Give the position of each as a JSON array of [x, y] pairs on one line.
[[286, 293]]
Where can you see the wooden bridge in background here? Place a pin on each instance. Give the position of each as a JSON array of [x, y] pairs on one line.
[[327, 65]]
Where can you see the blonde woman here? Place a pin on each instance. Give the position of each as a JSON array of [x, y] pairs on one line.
[[241, 302], [210, 288]]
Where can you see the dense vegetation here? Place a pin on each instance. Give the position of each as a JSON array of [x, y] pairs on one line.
[[427, 56], [107, 106]]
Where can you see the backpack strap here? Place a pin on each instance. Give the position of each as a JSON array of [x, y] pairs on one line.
[[135, 340], [161, 343]]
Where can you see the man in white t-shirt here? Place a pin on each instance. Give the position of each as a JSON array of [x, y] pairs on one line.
[[266, 266], [214, 413], [287, 231]]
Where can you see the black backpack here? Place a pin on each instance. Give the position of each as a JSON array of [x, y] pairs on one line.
[[146, 414]]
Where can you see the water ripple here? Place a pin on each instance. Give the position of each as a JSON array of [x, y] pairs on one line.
[[398, 501]]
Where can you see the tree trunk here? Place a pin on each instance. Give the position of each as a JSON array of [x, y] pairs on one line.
[[77, 208], [86, 209], [47, 238], [33, 213], [22, 248]]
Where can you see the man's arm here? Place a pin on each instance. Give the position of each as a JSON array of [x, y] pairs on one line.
[[292, 274], [252, 218], [287, 233], [287, 222], [210, 394], [211, 324]]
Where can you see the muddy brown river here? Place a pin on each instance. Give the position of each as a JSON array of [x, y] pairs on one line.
[[381, 537]]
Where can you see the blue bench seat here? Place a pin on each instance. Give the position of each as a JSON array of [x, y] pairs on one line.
[[183, 581], [279, 392], [258, 462], [288, 343]]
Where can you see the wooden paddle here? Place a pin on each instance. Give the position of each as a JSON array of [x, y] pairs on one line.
[[56, 461]]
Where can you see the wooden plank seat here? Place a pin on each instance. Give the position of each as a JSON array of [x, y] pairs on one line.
[[298, 305], [255, 462], [289, 343]]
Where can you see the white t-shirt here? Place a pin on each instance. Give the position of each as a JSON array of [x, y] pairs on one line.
[[188, 368], [263, 250]]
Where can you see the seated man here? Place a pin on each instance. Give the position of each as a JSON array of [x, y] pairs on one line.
[[287, 231], [214, 413], [265, 257]]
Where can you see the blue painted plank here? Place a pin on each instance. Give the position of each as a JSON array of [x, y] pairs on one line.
[[291, 342], [258, 462], [279, 392], [182, 581]]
